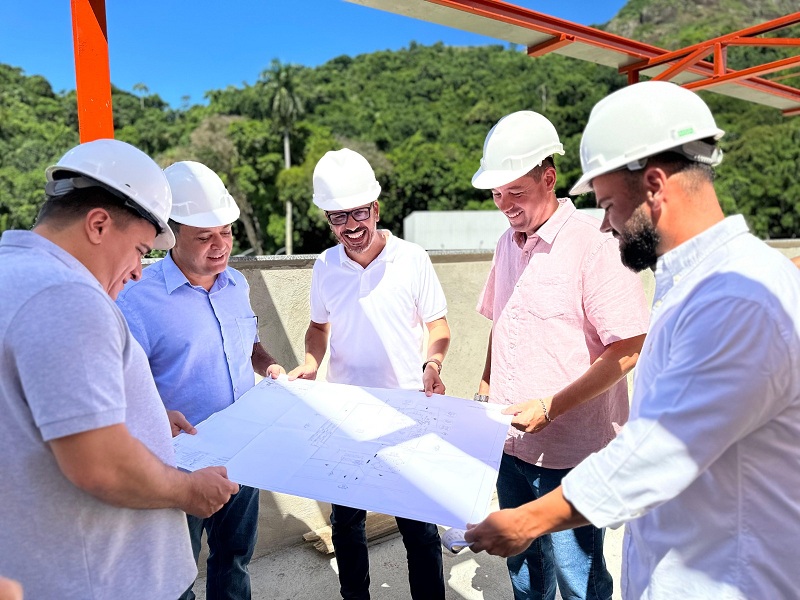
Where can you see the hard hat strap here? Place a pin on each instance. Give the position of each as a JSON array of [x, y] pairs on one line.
[[696, 151]]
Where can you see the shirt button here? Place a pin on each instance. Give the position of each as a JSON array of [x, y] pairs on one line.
[[235, 389], [657, 303], [676, 279]]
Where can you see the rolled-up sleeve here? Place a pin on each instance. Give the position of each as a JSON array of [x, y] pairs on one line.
[[721, 372]]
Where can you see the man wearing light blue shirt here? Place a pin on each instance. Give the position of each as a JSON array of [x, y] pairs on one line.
[[191, 313]]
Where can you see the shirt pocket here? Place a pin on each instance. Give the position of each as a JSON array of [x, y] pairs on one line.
[[549, 298], [247, 332]]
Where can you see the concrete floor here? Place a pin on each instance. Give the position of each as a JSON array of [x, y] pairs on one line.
[[303, 572]]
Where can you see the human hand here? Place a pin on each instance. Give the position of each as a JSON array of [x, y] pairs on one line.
[[209, 491], [529, 416], [274, 370], [306, 371], [178, 423], [431, 381], [498, 534], [10, 589]]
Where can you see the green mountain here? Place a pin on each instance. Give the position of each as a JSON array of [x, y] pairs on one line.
[[419, 114], [674, 24]]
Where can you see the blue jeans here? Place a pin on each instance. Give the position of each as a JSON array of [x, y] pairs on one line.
[[573, 558], [231, 534], [423, 552]]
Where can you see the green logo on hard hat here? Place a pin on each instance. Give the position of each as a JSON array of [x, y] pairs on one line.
[[686, 131]]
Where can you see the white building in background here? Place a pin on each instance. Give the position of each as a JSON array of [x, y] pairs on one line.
[[460, 229]]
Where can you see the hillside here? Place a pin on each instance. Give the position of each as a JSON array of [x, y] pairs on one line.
[[419, 114], [674, 24]]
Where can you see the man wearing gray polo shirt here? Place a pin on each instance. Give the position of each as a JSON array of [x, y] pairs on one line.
[[89, 496]]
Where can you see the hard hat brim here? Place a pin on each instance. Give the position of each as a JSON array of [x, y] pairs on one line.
[[212, 218], [164, 240], [349, 202], [488, 179], [583, 185]]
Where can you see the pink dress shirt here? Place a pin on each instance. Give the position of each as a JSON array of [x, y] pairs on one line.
[[556, 300]]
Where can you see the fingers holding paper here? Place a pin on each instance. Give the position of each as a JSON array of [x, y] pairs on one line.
[[499, 534]]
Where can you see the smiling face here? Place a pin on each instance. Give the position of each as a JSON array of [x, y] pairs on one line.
[[202, 253], [622, 196], [526, 202], [358, 237]]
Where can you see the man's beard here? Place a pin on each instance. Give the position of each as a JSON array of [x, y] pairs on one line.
[[638, 245], [359, 247]]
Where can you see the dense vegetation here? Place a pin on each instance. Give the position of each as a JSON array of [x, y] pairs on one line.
[[419, 115]]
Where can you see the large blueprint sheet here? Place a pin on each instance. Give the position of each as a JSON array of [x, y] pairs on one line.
[[396, 452]]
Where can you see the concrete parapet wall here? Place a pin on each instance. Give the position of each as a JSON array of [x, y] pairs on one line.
[[279, 294]]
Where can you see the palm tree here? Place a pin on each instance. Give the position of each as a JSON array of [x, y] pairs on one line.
[[285, 108], [141, 89]]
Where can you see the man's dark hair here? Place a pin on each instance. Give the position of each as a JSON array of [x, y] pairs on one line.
[[61, 211], [538, 171], [673, 162], [676, 162], [175, 226]]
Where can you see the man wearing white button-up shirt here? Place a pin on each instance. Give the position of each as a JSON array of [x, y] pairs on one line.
[[707, 470]]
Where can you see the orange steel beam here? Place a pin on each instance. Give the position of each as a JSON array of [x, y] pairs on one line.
[[646, 54], [684, 63], [92, 74], [720, 59], [730, 39], [530, 19], [550, 45], [731, 76], [765, 42]]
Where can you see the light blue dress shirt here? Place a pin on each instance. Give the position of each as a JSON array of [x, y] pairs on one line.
[[199, 343]]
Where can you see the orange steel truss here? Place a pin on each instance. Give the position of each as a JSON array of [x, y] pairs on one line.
[[640, 57], [680, 60], [92, 75], [687, 66]]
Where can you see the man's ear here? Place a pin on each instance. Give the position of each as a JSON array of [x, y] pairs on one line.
[[377, 211], [96, 225], [550, 177], [655, 184]]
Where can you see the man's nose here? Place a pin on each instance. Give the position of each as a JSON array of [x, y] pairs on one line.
[[605, 226], [137, 271]]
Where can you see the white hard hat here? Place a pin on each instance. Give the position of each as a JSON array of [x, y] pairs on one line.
[[642, 120], [515, 145], [344, 180], [199, 198], [123, 170]]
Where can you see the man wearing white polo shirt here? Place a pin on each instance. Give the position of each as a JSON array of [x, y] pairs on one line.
[[371, 295]]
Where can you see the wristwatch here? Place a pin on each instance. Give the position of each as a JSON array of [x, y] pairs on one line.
[[438, 364], [481, 398]]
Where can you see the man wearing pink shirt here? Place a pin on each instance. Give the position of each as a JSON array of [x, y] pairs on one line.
[[568, 322]]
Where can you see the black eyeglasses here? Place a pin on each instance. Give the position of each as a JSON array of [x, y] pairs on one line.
[[340, 218]]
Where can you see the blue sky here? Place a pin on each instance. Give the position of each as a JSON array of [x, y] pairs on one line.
[[184, 48]]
